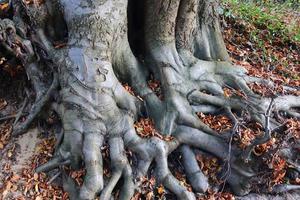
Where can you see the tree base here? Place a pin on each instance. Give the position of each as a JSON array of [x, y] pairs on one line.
[[95, 109]]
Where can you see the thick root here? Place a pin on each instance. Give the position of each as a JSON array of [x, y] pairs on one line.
[[194, 174], [93, 182], [23, 49], [95, 109]]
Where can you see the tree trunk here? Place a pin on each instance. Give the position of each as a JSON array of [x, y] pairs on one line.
[[180, 43]]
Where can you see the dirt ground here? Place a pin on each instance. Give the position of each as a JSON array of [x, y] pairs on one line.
[[20, 154]]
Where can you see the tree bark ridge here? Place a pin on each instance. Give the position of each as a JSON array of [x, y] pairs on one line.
[[184, 50]]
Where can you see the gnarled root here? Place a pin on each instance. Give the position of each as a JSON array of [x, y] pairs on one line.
[[22, 49], [95, 109]]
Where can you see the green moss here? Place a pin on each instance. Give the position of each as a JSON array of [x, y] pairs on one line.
[[268, 16]]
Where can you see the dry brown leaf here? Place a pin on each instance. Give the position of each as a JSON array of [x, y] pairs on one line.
[[219, 123], [145, 128], [39, 198], [155, 86], [160, 190], [3, 104], [4, 6], [263, 148], [128, 89]]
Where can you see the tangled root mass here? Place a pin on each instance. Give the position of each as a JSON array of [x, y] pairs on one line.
[[180, 43]]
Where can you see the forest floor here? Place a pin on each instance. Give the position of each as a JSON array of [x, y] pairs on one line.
[[256, 46]]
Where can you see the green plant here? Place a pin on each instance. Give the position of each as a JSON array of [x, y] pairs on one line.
[[267, 15]]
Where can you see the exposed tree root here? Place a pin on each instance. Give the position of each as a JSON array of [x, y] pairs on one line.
[[95, 109], [23, 50], [36, 108]]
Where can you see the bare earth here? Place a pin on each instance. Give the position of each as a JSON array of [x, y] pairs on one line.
[[25, 148]]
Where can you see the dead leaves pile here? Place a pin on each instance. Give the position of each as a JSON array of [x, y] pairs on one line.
[[209, 166], [3, 104], [232, 92], [259, 150], [219, 123], [147, 189], [78, 176], [128, 89], [264, 90], [278, 166], [5, 128], [246, 134], [183, 180], [293, 128], [5, 133], [275, 60], [28, 184], [155, 86], [145, 128]]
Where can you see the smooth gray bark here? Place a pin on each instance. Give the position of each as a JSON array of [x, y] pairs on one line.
[[184, 49]]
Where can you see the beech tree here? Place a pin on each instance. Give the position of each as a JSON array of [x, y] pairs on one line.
[[110, 42]]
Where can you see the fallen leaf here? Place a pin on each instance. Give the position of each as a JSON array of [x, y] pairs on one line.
[[160, 190], [3, 104]]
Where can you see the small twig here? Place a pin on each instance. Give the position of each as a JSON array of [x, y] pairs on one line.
[[36, 108], [11, 116], [294, 165], [20, 113], [284, 188], [267, 118], [266, 137], [53, 178], [228, 159], [7, 117], [280, 127], [59, 138]]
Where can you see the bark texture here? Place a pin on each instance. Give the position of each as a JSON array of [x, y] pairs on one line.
[[181, 45]]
